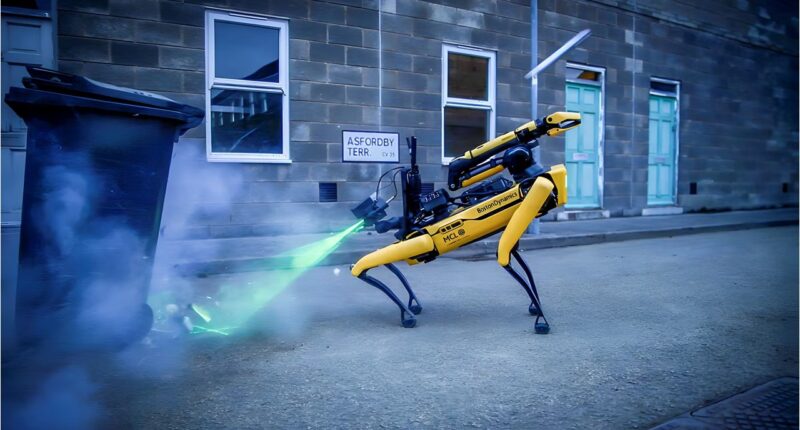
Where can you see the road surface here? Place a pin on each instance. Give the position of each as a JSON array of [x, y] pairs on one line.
[[641, 331]]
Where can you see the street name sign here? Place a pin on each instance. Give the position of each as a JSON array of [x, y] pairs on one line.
[[370, 147]]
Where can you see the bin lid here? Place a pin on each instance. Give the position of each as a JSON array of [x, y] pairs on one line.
[[66, 83]]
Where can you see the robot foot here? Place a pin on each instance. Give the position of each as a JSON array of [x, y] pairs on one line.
[[533, 310], [409, 322], [541, 327]]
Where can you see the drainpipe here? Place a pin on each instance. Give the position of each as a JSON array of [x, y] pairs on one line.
[[534, 227]]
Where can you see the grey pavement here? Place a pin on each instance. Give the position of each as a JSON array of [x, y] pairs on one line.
[[642, 331], [217, 256], [769, 406]]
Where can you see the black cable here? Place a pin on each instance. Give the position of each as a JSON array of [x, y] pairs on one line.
[[394, 182], [378, 187]]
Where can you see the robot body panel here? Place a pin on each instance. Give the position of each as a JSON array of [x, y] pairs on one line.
[[397, 251], [475, 222]]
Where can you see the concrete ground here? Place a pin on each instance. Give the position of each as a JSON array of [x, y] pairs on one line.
[[642, 331]]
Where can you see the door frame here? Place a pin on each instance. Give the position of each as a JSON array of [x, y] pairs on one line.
[[601, 136], [677, 96]]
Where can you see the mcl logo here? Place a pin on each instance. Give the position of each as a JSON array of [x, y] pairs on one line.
[[454, 235]]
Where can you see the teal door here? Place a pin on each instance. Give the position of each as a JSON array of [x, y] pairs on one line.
[[661, 159], [581, 154]]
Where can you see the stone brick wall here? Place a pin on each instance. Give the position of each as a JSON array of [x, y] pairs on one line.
[[737, 64], [157, 45]]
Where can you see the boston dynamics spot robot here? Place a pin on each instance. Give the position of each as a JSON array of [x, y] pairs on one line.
[[436, 223]]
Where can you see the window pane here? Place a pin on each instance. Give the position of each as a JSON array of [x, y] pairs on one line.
[[467, 76], [586, 75], [464, 129], [663, 87], [243, 51], [246, 121]]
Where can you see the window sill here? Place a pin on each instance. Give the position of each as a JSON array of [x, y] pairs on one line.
[[215, 158]]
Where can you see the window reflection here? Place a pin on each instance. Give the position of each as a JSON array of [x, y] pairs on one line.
[[467, 76], [246, 52], [464, 129], [246, 121]]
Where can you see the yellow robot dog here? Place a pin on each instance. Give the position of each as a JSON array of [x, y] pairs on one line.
[[436, 223]]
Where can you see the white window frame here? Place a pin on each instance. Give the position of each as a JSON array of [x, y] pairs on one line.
[[677, 95], [488, 105], [601, 126], [280, 87]]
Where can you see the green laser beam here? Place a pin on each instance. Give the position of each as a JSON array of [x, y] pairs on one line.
[[221, 331], [312, 254], [238, 303], [201, 312]]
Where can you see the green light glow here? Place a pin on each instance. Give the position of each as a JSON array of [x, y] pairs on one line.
[[201, 312], [312, 254], [221, 331], [238, 303]]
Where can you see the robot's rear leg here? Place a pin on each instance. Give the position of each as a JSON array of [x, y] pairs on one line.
[[533, 309], [406, 315], [413, 303], [539, 193], [541, 326]]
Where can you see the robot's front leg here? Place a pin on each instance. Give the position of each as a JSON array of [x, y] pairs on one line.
[[406, 315], [385, 257], [413, 303], [528, 210]]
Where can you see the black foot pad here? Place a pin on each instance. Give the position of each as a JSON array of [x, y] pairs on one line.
[[409, 322], [541, 328], [416, 309], [533, 310]]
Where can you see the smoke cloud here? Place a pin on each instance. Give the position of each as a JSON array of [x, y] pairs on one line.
[[87, 291], [63, 399]]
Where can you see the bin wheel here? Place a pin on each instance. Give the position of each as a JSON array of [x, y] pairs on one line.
[[145, 322], [140, 326]]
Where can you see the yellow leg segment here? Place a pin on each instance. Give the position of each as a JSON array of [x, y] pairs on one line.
[[559, 175], [523, 216], [395, 252]]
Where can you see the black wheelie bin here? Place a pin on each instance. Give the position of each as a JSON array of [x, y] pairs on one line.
[[96, 169]]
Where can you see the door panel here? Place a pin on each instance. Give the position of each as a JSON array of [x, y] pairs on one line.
[[582, 147], [661, 159], [25, 40], [588, 177]]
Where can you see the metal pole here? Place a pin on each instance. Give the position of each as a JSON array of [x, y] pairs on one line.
[[533, 75], [534, 227], [578, 38]]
